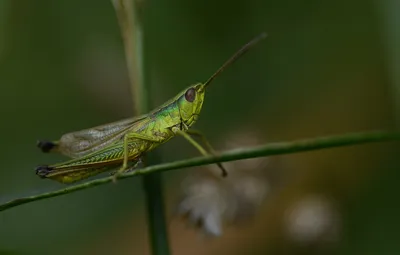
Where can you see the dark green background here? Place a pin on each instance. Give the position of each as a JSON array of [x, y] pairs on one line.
[[327, 67]]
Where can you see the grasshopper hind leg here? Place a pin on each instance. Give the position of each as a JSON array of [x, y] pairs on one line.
[[48, 172]]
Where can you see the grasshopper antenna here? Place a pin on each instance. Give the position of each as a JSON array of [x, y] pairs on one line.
[[238, 54]]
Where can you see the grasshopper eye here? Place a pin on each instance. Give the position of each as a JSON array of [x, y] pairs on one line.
[[190, 95]]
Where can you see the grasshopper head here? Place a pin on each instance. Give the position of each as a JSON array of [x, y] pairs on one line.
[[190, 103], [191, 100]]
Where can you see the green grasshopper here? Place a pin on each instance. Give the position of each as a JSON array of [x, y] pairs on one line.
[[104, 148]]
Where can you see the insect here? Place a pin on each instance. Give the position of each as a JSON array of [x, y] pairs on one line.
[[125, 142]]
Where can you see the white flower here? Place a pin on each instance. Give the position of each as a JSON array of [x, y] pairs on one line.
[[210, 201], [311, 219]]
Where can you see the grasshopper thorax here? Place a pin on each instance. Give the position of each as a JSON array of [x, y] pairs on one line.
[[190, 103]]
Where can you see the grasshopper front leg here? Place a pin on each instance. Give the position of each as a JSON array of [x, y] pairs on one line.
[[209, 147], [203, 138], [187, 136]]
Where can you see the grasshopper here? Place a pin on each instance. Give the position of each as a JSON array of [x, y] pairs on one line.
[[106, 147]]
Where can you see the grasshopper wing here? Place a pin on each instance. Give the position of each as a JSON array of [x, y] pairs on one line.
[[83, 142]]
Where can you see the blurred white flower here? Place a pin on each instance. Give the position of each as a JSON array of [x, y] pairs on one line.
[[204, 202], [210, 201], [312, 219]]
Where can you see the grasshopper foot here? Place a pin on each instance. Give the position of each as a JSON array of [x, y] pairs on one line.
[[118, 173], [43, 170], [115, 177], [45, 146], [137, 165], [123, 170]]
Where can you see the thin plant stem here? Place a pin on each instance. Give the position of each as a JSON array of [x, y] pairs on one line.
[[232, 155], [129, 14]]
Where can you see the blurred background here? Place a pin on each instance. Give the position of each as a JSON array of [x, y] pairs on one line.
[[327, 67]]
